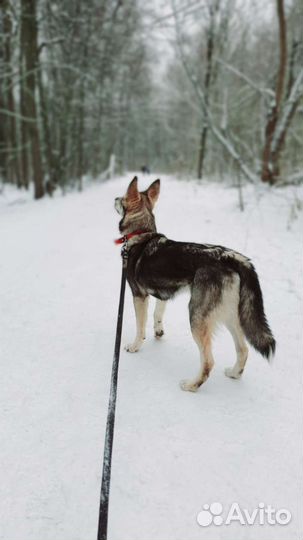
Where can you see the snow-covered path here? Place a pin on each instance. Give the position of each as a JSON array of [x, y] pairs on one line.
[[233, 441]]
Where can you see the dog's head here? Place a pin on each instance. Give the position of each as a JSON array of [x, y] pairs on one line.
[[136, 207]]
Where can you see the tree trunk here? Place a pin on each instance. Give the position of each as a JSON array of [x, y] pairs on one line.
[[11, 136], [80, 168], [207, 80], [30, 53], [202, 150], [81, 124], [287, 115], [270, 169], [45, 125], [24, 164], [3, 155]]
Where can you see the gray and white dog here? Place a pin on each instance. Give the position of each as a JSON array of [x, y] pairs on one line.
[[224, 286]]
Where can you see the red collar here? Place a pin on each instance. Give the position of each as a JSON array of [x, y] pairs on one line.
[[128, 236]]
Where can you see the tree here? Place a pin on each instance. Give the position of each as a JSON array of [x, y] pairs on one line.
[[270, 161], [30, 66], [282, 110], [12, 170], [210, 43]]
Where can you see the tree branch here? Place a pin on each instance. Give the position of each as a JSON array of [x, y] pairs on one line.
[[245, 78]]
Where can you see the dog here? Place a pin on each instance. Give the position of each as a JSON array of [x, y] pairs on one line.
[[224, 286]]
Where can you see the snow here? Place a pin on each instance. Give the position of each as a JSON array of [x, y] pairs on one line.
[[233, 441]]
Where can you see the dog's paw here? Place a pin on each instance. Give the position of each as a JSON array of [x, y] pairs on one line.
[[133, 347], [232, 374], [189, 386], [158, 329], [159, 333]]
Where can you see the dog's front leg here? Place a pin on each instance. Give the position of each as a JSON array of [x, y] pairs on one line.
[[158, 318], [141, 306]]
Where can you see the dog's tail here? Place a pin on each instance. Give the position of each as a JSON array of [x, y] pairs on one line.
[[251, 312]]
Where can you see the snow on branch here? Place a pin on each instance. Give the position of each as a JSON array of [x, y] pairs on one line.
[[245, 78]]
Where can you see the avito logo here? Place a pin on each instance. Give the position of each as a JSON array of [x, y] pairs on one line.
[[212, 514]]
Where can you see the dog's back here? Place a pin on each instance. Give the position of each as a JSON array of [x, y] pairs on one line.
[[164, 266]]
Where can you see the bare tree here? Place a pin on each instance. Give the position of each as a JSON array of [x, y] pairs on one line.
[[29, 52], [270, 165], [210, 43], [12, 143]]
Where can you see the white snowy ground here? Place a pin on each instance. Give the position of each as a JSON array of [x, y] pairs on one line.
[[233, 441]]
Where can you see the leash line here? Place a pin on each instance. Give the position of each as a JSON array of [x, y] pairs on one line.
[[110, 423]]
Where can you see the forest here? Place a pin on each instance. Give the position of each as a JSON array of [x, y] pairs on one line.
[[199, 88]]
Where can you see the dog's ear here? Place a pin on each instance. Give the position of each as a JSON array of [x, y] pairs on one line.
[[132, 193], [153, 192]]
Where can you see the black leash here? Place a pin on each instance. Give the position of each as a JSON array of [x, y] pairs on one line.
[[110, 424]]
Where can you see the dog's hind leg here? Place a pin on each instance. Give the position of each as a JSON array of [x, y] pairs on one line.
[[158, 318], [141, 306], [202, 334], [206, 295], [242, 351]]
